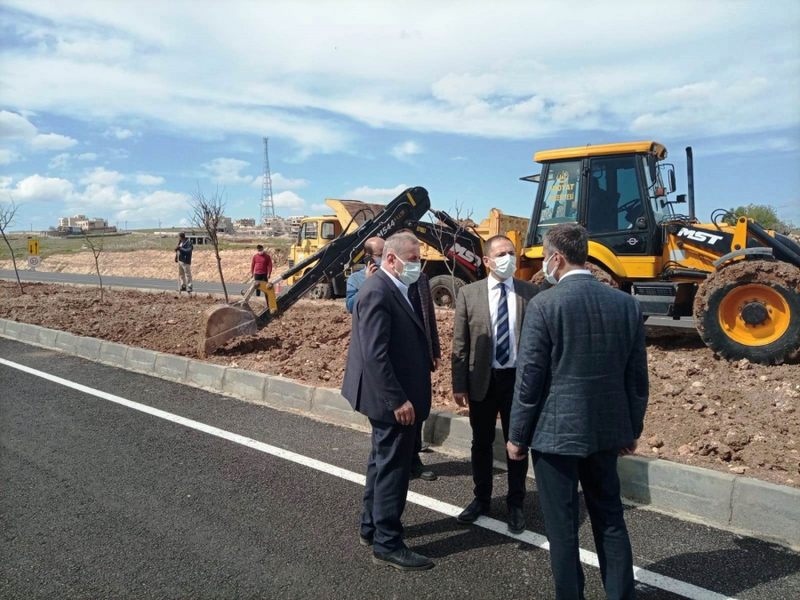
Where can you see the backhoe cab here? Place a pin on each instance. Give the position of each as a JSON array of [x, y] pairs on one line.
[[740, 282]]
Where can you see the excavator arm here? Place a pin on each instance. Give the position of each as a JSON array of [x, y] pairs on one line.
[[227, 321]]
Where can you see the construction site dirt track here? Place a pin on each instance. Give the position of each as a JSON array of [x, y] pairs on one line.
[[733, 417]]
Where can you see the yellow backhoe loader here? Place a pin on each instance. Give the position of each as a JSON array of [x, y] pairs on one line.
[[739, 281]]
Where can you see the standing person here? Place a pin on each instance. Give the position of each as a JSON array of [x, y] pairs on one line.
[[373, 250], [580, 399], [260, 266], [489, 315], [388, 380], [420, 295], [183, 256]]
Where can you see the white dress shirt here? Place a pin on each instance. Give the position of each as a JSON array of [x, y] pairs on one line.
[[576, 272], [400, 285], [494, 302]]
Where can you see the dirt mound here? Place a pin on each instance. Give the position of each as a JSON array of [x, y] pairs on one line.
[[733, 417], [156, 264]]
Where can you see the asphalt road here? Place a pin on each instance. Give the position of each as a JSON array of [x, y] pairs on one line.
[[100, 499], [213, 288]]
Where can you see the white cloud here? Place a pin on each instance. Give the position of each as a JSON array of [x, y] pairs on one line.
[[279, 182], [7, 156], [119, 133], [60, 161], [102, 177], [288, 199], [36, 188], [13, 126], [375, 194], [145, 179], [52, 141], [406, 150], [320, 208], [228, 171], [87, 156]]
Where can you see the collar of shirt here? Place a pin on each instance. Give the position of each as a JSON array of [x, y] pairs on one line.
[[575, 272], [399, 284], [493, 281]]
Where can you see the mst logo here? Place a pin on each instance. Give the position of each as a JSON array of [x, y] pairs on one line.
[[699, 236], [465, 256]]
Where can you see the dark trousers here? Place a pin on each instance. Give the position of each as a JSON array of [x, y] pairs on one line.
[[259, 277], [388, 472], [418, 443], [483, 420], [557, 479]]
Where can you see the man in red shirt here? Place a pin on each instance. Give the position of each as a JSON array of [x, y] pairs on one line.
[[261, 266]]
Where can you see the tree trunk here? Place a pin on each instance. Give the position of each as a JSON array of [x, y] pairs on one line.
[[14, 262], [221, 277]]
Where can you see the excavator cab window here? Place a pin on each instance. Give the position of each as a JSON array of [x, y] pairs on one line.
[[559, 199], [656, 190], [615, 201], [328, 230], [308, 231]]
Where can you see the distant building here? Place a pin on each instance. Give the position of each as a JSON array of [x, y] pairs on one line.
[[81, 224], [241, 223]]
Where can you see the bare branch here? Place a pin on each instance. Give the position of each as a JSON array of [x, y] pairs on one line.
[[97, 249], [207, 214], [7, 214]]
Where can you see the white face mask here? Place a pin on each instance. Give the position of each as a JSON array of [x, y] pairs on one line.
[[549, 277], [504, 266], [410, 273]]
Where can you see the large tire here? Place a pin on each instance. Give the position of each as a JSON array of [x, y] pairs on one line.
[[321, 291], [599, 273], [751, 309], [444, 290]]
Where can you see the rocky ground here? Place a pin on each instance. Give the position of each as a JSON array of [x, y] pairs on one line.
[[733, 417]]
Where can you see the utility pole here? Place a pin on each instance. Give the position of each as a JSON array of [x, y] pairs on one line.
[[267, 204]]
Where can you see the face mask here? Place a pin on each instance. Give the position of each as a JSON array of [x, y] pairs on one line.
[[411, 271], [549, 277], [504, 266]]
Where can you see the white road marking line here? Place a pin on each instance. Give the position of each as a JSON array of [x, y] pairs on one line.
[[669, 584]]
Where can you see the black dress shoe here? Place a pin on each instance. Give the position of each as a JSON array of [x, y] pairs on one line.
[[516, 519], [364, 540], [419, 471], [403, 559], [475, 509]]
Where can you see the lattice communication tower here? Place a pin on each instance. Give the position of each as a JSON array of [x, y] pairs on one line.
[[267, 204]]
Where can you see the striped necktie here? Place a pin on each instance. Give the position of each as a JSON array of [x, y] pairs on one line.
[[502, 348]]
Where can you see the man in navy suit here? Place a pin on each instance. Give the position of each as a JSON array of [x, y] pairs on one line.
[[388, 379], [579, 402]]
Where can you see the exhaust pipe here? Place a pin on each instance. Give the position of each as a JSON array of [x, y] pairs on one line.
[[690, 180]]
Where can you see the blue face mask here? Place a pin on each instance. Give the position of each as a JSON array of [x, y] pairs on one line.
[[410, 273]]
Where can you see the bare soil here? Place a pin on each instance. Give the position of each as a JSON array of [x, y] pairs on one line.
[[732, 417]]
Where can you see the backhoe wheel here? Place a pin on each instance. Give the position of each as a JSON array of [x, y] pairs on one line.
[[444, 290], [321, 291], [751, 309]]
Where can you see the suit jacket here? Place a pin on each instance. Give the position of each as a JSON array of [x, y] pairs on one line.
[[472, 336], [388, 361], [420, 295], [582, 382]]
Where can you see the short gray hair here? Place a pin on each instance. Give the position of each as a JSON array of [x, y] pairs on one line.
[[569, 239], [398, 242]]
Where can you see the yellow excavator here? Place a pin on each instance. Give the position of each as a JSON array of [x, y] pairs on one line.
[[739, 281]]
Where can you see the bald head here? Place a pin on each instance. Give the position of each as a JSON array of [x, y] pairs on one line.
[[374, 246]]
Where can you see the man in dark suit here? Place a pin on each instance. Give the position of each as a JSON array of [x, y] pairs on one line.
[[388, 379], [579, 402], [489, 314], [420, 295]]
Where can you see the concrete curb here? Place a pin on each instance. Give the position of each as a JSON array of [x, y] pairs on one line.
[[732, 502]]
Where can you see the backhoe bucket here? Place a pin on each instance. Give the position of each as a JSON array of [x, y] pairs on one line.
[[222, 323]]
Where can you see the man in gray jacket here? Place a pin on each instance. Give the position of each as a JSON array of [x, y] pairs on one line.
[[488, 319], [579, 402]]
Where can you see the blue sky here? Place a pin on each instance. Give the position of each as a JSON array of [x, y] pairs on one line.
[[122, 109]]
